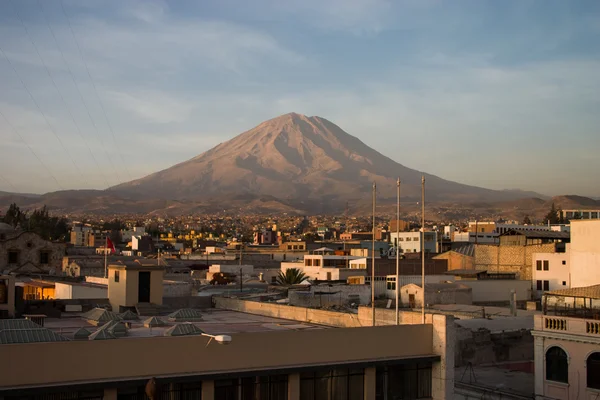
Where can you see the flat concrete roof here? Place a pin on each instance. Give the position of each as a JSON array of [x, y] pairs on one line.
[[214, 322]]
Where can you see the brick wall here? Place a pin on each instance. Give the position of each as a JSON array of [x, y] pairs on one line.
[[512, 259]]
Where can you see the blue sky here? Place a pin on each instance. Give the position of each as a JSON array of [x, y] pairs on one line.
[[499, 94]]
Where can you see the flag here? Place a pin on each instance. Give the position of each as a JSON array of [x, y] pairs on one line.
[[110, 245]]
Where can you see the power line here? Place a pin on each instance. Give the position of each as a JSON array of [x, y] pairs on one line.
[[82, 100], [28, 146], [112, 132], [59, 93], [40, 110], [9, 183]]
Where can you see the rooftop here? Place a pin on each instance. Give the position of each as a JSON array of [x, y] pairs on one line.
[[213, 322], [589, 292]]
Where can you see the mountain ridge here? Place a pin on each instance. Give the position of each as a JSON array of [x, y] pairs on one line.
[[298, 157]]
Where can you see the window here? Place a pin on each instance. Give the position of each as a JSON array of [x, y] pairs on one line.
[[416, 239], [593, 371], [317, 263], [538, 265], [13, 256], [408, 239], [564, 283], [404, 382], [295, 247], [538, 285], [557, 365], [546, 285], [546, 265], [308, 262], [44, 257], [116, 276], [564, 262], [335, 384], [391, 285], [273, 387], [273, 279], [289, 246]]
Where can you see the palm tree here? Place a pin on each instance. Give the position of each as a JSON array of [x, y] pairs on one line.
[[292, 276]]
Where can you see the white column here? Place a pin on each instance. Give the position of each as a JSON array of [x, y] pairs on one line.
[[539, 359]]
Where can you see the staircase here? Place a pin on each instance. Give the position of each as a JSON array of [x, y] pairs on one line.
[[151, 309]]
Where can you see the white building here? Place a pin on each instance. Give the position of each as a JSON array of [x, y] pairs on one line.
[[551, 271], [325, 267], [410, 242], [80, 290], [574, 215], [585, 253], [127, 235]]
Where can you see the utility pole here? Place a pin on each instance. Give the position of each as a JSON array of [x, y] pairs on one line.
[[423, 248], [373, 257], [105, 256], [398, 255]]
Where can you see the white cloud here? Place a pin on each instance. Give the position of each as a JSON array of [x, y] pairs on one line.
[[153, 106]]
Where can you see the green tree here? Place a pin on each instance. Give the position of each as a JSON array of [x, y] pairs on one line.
[[48, 227], [561, 217], [14, 216], [292, 276], [552, 215], [526, 220]]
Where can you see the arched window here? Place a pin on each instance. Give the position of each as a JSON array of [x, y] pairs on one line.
[[593, 371], [557, 366]]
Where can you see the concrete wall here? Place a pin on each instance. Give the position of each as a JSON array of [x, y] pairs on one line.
[[68, 291], [340, 295], [585, 253], [432, 297], [177, 289], [116, 360], [498, 290], [513, 259]]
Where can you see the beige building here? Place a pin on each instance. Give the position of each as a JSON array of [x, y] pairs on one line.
[[132, 283], [567, 345], [28, 252], [585, 253]]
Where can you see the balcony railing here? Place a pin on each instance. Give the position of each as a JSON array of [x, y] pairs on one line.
[[557, 324], [569, 325]]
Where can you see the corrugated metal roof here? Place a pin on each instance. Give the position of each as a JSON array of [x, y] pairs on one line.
[[590, 292], [101, 315], [184, 329], [129, 316], [185, 315], [101, 334], [154, 321], [116, 328], [13, 336], [465, 250], [531, 234], [82, 333], [9, 324]]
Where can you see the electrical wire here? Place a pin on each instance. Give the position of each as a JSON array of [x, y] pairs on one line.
[[83, 102], [9, 183], [112, 132], [29, 147], [41, 111], [59, 93]]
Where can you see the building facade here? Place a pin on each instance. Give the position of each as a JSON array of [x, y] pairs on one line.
[[551, 271], [28, 252], [585, 253], [410, 242]]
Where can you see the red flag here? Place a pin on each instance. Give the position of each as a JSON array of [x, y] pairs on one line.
[[110, 245]]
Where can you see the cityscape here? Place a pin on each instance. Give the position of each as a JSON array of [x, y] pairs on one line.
[[174, 224]]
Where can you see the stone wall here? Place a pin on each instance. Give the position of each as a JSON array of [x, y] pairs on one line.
[[484, 347], [509, 259], [29, 247], [457, 260]]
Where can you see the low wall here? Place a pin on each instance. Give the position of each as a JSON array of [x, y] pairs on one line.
[[321, 317], [177, 289], [498, 290], [176, 303]]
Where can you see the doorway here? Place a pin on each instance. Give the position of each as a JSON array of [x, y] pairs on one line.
[[144, 287], [411, 301]]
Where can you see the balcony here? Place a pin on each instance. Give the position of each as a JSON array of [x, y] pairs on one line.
[[568, 325]]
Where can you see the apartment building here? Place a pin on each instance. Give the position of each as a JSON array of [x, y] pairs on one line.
[[585, 253], [410, 242]]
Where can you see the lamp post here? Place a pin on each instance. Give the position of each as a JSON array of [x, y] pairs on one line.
[[220, 339]]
